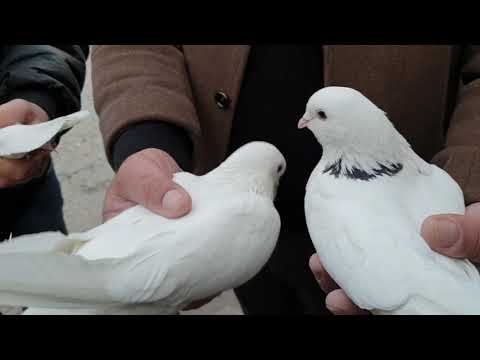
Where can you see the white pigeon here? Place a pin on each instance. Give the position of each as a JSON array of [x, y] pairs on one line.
[[365, 204], [142, 263], [18, 140]]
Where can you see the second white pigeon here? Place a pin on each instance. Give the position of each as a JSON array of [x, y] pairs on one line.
[[142, 263], [365, 204]]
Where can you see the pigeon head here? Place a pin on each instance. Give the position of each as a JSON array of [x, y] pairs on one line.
[[256, 166], [341, 116], [354, 132]]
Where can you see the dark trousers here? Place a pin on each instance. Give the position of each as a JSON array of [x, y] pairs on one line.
[[285, 286], [33, 207]]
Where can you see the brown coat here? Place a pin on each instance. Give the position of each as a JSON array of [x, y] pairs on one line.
[[431, 93]]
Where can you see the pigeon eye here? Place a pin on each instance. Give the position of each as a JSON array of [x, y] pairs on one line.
[[322, 115], [279, 169]]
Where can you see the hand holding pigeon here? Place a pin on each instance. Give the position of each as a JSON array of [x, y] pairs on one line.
[[12, 171], [365, 205], [19, 140], [461, 243], [142, 263], [146, 178], [457, 236], [156, 191]]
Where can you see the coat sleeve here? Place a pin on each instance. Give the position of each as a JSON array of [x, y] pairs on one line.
[[51, 76], [142, 93], [461, 155]]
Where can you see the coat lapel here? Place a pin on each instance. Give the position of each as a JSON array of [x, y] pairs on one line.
[[216, 68]]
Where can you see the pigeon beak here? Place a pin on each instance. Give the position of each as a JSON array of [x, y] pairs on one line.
[[303, 123]]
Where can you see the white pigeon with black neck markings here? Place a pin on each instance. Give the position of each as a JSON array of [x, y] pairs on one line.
[[365, 204], [142, 263]]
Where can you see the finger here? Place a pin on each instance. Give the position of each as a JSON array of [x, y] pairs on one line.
[[40, 162], [114, 204], [155, 192], [339, 304], [21, 111], [14, 172], [457, 236], [155, 188], [325, 281], [13, 112], [17, 111], [49, 147], [146, 179]]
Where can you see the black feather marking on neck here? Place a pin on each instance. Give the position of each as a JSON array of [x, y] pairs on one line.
[[334, 169], [359, 174], [337, 169], [389, 170]]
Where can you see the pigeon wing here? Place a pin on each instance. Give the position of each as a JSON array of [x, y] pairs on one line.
[[19, 139], [167, 269]]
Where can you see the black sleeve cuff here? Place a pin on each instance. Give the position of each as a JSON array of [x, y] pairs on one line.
[[159, 135]]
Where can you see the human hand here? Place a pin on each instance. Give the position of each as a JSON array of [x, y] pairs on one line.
[[18, 171], [336, 301], [456, 236], [146, 178]]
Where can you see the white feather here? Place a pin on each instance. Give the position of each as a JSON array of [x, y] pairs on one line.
[[19, 139]]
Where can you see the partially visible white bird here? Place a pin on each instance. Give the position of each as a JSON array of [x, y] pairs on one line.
[[142, 263], [18, 140], [365, 204]]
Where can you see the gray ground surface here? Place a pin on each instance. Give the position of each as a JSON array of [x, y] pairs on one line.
[[84, 175]]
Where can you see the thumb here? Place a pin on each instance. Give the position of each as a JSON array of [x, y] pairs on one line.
[[457, 236], [21, 111], [174, 203], [146, 179]]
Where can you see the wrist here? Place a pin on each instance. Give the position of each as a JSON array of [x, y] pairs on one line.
[[164, 136]]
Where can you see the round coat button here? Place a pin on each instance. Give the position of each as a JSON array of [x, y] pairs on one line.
[[222, 100]]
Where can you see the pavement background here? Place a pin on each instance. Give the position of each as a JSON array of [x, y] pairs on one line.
[[84, 175]]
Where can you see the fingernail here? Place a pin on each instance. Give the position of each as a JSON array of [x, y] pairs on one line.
[[447, 233], [172, 200]]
